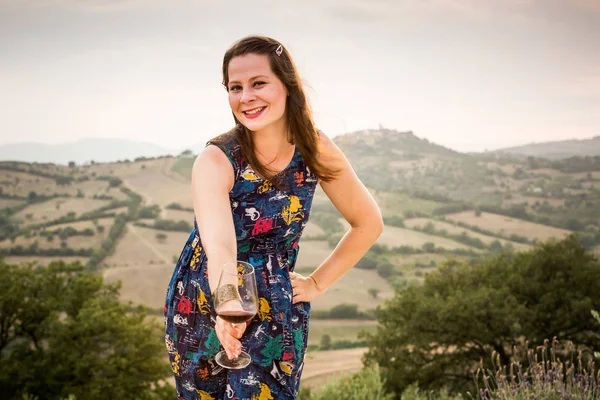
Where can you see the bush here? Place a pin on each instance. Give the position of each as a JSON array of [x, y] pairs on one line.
[[325, 342], [168, 225], [546, 377], [366, 384], [495, 305], [344, 311], [367, 262], [161, 236], [151, 212], [385, 269], [413, 393]]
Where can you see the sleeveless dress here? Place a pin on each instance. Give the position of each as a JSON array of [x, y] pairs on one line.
[[268, 223]]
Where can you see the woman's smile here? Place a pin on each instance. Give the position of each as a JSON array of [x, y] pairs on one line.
[[254, 113]]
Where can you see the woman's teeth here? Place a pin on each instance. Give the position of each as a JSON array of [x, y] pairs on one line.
[[254, 111]]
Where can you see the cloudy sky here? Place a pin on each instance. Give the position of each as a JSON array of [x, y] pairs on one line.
[[467, 74]]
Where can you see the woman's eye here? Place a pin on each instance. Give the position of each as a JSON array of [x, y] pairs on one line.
[[234, 88], [259, 83]]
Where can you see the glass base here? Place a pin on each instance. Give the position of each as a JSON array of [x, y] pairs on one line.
[[240, 361]]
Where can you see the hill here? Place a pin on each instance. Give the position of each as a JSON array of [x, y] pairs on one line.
[[556, 150], [81, 151], [129, 220]]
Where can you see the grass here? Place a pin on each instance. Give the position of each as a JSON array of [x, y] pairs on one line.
[[457, 230], [312, 253], [338, 329], [81, 225], [56, 208], [183, 167], [393, 203], [311, 229], [140, 246], [508, 225], [144, 264], [353, 288], [321, 367], [394, 237], [4, 203], [45, 260], [156, 183]]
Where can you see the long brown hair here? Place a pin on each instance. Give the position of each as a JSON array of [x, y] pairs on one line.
[[302, 130]]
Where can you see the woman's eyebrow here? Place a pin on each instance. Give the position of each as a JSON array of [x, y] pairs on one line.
[[253, 78]]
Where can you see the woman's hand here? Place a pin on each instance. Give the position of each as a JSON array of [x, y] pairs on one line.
[[229, 335], [304, 288]]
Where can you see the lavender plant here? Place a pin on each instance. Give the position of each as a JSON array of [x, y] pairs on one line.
[[546, 377]]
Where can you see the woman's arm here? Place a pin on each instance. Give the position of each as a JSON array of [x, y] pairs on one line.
[[212, 180], [357, 206]]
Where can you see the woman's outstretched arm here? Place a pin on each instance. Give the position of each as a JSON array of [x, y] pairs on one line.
[[212, 180], [357, 206]]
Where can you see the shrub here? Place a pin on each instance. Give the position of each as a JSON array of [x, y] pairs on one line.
[[325, 342], [366, 384], [160, 236], [385, 269], [367, 262], [546, 377], [494, 305], [343, 311]]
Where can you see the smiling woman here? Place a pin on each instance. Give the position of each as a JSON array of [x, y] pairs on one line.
[[253, 189]]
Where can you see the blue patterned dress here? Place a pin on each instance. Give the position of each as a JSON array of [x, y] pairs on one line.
[[268, 224]]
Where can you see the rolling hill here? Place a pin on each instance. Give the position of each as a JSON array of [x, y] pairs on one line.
[[557, 149], [128, 220]]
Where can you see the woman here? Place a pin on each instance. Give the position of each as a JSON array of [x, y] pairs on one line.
[[252, 190]]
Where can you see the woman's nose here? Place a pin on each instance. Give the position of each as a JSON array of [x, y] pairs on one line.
[[247, 95]]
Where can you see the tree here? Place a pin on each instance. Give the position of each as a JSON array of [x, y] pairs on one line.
[[64, 333], [385, 269], [344, 310], [367, 262], [374, 292], [325, 342], [437, 333]]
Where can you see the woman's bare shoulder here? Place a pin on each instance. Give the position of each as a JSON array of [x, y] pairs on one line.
[[329, 153]]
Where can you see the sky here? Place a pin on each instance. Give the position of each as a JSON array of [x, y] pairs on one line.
[[471, 75]]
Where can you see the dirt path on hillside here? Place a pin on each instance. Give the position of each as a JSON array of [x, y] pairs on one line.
[[149, 244], [166, 171], [323, 366]]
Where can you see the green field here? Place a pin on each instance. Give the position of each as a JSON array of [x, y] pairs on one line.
[[338, 329]]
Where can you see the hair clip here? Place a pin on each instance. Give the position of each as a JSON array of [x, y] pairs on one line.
[[279, 50]]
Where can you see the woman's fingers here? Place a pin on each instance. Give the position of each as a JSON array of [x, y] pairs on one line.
[[303, 288], [235, 330], [298, 298], [229, 342]]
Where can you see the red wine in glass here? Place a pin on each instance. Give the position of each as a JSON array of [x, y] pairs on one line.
[[236, 317], [236, 301]]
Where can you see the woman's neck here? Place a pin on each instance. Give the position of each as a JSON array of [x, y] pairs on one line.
[[272, 147]]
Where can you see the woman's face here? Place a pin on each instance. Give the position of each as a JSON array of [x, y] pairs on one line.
[[256, 96]]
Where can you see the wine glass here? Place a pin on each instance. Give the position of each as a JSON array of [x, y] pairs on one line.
[[236, 301]]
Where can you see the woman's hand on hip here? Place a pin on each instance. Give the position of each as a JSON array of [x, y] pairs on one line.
[[304, 288]]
